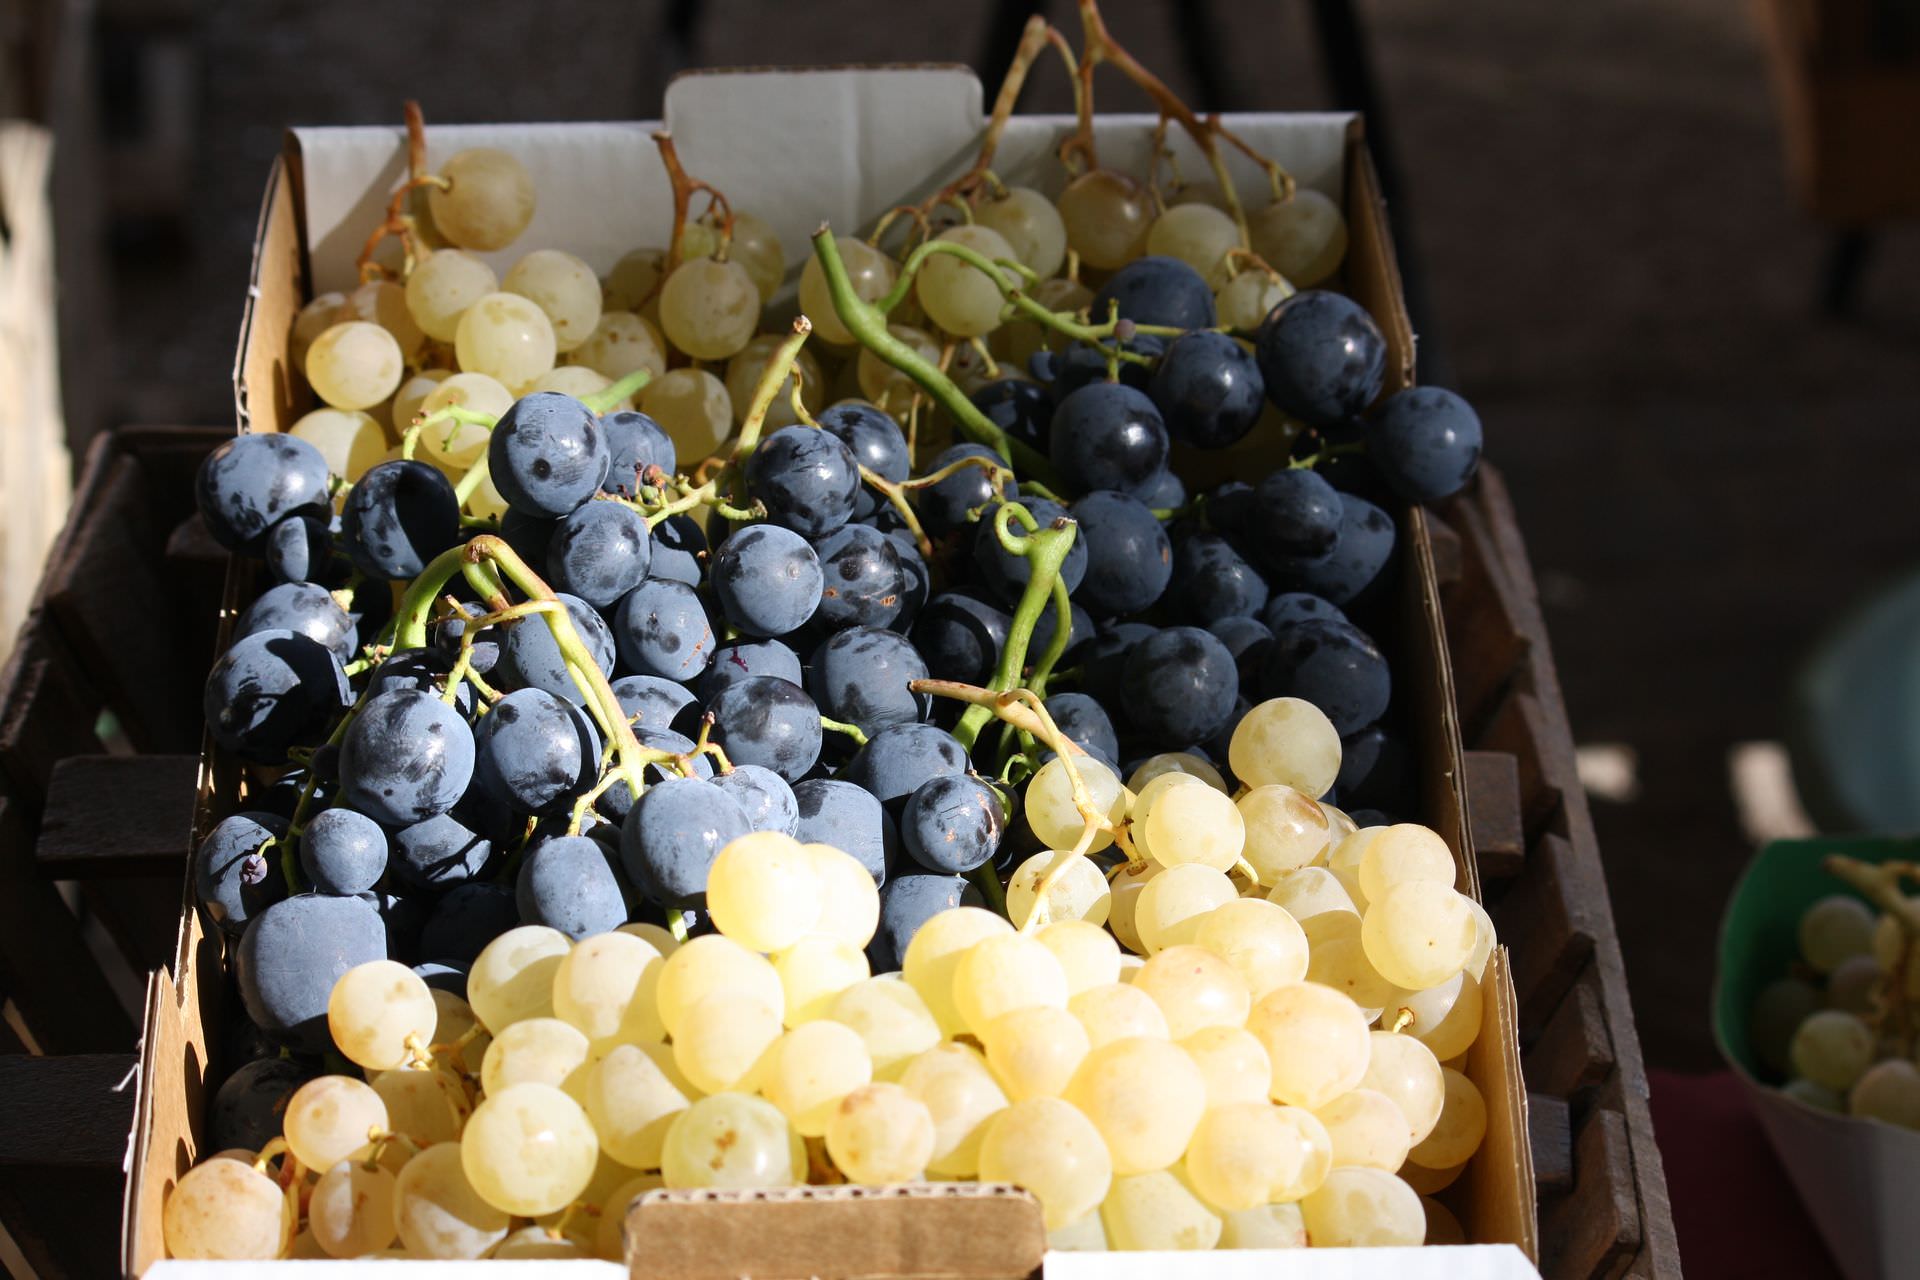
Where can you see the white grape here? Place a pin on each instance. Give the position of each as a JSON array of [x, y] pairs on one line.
[[1358, 1207], [709, 309], [693, 408], [1286, 830], [1106, 215], [1051, 1149], [1195, 989], [1248, 1154], [354, 365], [1407, 1072], [1259, 939], [506, 337], [762, 891], [562, 286], [1366, 1128], [960, 1094], [1834, 928], [1117, 1011], [957, 295], [486, 202], [880, 1133], [224, 1209], [810, 1069], [1157, 1211], [1031, 226], [1200, 236], [1462, 1124], [1145, 1096], [622, 343], [631, 1100], [512, 977], [437, 1211], [441, 288], [1419, 934], [1316, 1040], [871, 273], [1832, 1048], [1079, 891], [1304, 238], [529, 1150], [1288, 741]]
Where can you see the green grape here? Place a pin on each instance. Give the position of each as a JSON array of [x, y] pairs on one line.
[[1462, 1123], [1051, 811], [1034, 1051], [223, 1209], [1316, 1041], [850, 902], [384, 303], [891, 1020], [1407, 1072], [454, 1018], [1048, 1147], [1145, 1096], [654, 935], [1834, 928], [351, 1209], [1358, 1207], [379, 1013], [813, 972], [709, 309], [529, 1150], [743, 379], [959, 297], [1286, 740], [1195, 989], [1419, 934], [1855, 984], [755, 247], [605, 987], [438, 1213], [508, 338], [1403, 852], [1286, 830], [1181, 763], [810, 1069], [1088, 954], [538, 1242], [1031, 227], [711, 965], [351, 441], [1317, 900], [1270, 1226], [885, 385], [312, 320], [441, 288], [428, 1106], [960, 1093], [634, 279], [1117, 1011], [1244, 301], [1445, 1018], [693, 408], [460, 444], [562, 286], [536, 1051], [934, 956], [610, 1240], [1157, 1211], [354, 365], [1089, 1235], [1366, 1128], [1080, 892], [719, 1041], [1264, 944], [1304, 238], [1123, 913], [413, 393], [512, 977], [1341, 962], [1106, 215], [1832, 1048], [632, 1101], [330, 1117], [880, 1133], [1173, 903], [732, 1141], [1200, 236], [871, 273], [1248, 1154], [487, 200], [1195, 825], [622, 343], [1232, 1063], [763, 892]]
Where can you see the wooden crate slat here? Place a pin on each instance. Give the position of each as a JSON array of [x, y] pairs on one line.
[[1550, 922], [85, 833], [1595, 1230], [1550, 1134], [46, 712], [63, 1135], [1574, 1052], [1493, 799], [1517, 728]]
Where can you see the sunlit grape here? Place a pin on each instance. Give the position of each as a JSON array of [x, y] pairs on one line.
[[1195, 989], [1078, 892], [222, 1208], [1157, 1211], [512, 978], [711, 965], [1173, 904], [438, 1213], [330, 1117], [1408, 1073], [442, 286], [460, 444], [351, 1209], [718, 1042], [1359, 1207], [871, 272], [1288, 741], [1456, 1135], [354, 365], [605, 987], [632, 1101], [1286, 830], [1145, 1096], [351, 441], [529, 1149], [693, 408], [486, 202], [1088, 954], [762, 891], [709, 309], [1232, 1062], [1034, 1051], [1259, 939], [880, 1133], [810, 1069], [1419, 934], [622, 343], [960, 1094], [890, 1018], [934, 955], [1244, 301], [1367, 1128], [1316, 1041], [1051, 1149], [312, 320], [506, 337], [1248, 1154], [813, 972], [1117, 1011], [1030, 225], [538, 1051], [744, 371]]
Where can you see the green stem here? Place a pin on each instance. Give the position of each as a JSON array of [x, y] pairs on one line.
[[1057, 642], [853, 731], [416, 606], [1045, 551], [470, 482], [987, 881], [607, 397]]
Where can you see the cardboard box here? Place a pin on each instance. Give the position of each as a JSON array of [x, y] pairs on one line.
[[797, 148]]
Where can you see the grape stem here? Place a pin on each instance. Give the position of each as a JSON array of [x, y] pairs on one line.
[[1038, 35], [1045, 551], [612, 394], [684, 187], [454, 415], [853, 731], [398, 221]]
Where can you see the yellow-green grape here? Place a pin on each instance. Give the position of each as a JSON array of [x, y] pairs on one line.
[[1195, 825], [1407, 1072], [708, 966], [384, 303], [1035, 1051], [1244, 301], [605, 989], [1887, 1091], [438, 1213], [441, 288], [1050, 809], [631, 1102], [1146, 794], [960, 1094], [351, 1210], [655, 935], [454, 1018], [1833, 1048], [1080, 892], [1088, 954], [1289, 741], [1316, 1040], [1344, 860], [934, 955], [1232, 1063], [762, 891], [1123, 913], [354, 365], [1855, 984], [958, 296], [1157, 1211], [1315, 898], [1405, 851], [890, 1018], [1002, 973], [693, 408], [756, 248], [1051, 1149], [880, 1133], [885, 385], [538, 1242], [1833, 929], [529, 1150], [1252, 1153], [620, 344], [1117, 1011], [351, 441], [1031, 227], [1367, 1128], [1089, 1235], [487, 200], [1017, 340], [1442, 1226], [1173, 903], [1361, 1208], [719, 1041], [849, 900], [1341, 962], [610, 1240], [330, 1117], [223, 1209], [508, 338], [1195, 989], [1263, 943], [1462, 1123], [1106, 215], [460, 444], [536, 1051], [813, 972], [512, 977], [1304, 238], [562, 286], [314, 319], [428, 1106], [634, 279], [743, 379], [1484, 941], [1175, 762], [1144, 1095], [871, 272], [1428, 1182], [709, 309], [699, 239], [413, 393], [379, 1013], [1445, 1018], [1419, 934], [1200, 236], [810, 1069], [486, 501], [1270, 1226], [1286, 830], [1205, 192]]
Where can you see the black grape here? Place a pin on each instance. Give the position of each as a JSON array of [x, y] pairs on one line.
[[343, 852], [849, 818], [1332, 664], [1246, 639], [247, 1108], [906, 903], [532, 658], [534, 752], [1295, 515], [1084, 721], [300, 548], [767, 580], [1425, 441], [291, 955], [952, 824], [660, 629], [465, 919], [447, 637], [1376, 771], [270, 691], [232, 878], [1358, 559], [547, 454], [304, 608], [746, 659], [252, 482], [1006, 574], [1322, 357], [652, 702], [567, 884], [679, 550], [1215, 582], [764, 795], [1018, 406], [1108, 436], [770, 722], [895, 761], [1129, 559], [406, 757], [863, 583], [669, 840], [1157, 290], [945, 505], [1208, 389], [399, 516], [438, 853], [860, 676], [634, 443], [600, 552], [1290, 607], [807, 480], [1179, 684], [961, 636]]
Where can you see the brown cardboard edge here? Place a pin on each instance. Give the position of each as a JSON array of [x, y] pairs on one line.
[[263, 385]]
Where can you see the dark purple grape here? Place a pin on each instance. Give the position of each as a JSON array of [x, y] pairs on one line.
[[1295, 515], [849, 818], [1208, 389], [547, 454], [652, 702], [343, 852], [535, 753], [807, 480], [1357, 561], [862, 582], [270, 691], [895, 761], [465, 919], [1129, 560], [1157, 290], [301, 607], [763, 795], [952, 824], [767, 580], [600, 552], [531, 657], [1215, 582], [1376, 771], [1290, 607], [770, 722], [660, 629], [906, 903], [300, 549], [1084, 364], [746, 659], [247, 1109], [876, 443], [1180, 684], [1108, 436], [1335, 666], [406, 757], [291, 955], [961, 637], [566, 883], [1322, 357], [233, 879], [946, 504], [252, 482], [1006, 574], [1084, 721], [679, 550], [1426, 442], [437, 854], [1246, 639], [1020, 407], [399, 516], [635, 442], [669, 841], [860, 676]]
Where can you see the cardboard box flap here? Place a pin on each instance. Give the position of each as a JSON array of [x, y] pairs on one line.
[[1462, 1262]]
